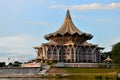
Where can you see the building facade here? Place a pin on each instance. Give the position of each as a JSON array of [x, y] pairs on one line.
[[69, 45]]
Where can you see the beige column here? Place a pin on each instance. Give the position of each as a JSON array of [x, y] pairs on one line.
[[52, 54], [71, 54], [36, 50], [43, 52], [58, 54], [74, 54], [46, 52], [93, 54]]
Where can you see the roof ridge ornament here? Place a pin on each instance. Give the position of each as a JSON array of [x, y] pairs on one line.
[[68, 16]]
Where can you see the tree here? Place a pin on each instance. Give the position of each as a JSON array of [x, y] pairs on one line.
[[105, 54], [10, 64], [17, 64], [116, 53], [2, 64]]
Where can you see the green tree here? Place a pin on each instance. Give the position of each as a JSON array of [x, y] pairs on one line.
[[2, 64], [116, 53], [10, 64], [17, 64], [105, 54]]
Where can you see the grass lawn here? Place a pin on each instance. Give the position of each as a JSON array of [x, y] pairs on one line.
[[91, 70]]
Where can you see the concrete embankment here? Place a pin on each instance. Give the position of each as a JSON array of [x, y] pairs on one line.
[[19, 76], [24, 72], [19, 71]]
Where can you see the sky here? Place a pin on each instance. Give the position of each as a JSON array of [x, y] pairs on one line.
[[23, 24]]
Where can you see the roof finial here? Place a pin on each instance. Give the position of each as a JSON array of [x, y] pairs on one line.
[[68, 14]]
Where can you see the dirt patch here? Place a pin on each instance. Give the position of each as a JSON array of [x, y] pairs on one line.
[[57, 71]]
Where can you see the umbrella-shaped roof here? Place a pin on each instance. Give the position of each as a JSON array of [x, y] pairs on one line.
[[68, 28]]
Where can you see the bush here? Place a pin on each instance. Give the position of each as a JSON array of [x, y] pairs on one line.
[[98, 77], [2, 64], [107, 78], [58, 76], [49, 63]]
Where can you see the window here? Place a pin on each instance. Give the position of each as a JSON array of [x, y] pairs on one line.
[[49, 51]]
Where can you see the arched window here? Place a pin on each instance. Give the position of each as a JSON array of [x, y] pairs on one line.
[[77, 51], [62, 54], [49, 50], [72, 51], [55, 50], [84, 50], [62, 50]]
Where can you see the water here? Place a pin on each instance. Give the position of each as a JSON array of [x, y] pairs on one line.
[[45, 79], [53, 79], [34, 79]]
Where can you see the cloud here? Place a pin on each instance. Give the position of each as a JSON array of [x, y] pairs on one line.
[[93, 6], [3, 59], [58, 6], [16, 40], [115, 40], [108, 43], [39, 23], [16, 46]]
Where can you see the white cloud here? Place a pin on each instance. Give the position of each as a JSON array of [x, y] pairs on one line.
[[39, 23], [15, 41], [58, 6], [16, 46], [115, 40], [9, 59], [93, 6], [109, 43], [4, 59]]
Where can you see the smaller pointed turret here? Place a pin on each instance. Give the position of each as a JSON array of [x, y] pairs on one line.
[[108, 59]]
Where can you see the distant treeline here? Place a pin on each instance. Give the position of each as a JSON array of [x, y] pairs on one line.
[[15, 64], [2, 64]]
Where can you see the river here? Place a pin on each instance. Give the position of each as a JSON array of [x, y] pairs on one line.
[[34, 79], [53, 79], [42, 79]]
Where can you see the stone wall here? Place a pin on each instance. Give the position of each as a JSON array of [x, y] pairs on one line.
[[19, 71], [80, 64]]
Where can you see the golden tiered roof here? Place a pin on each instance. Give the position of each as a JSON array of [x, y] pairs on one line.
[[68, 28]]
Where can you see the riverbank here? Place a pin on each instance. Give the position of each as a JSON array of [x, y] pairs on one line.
[[92, 73], [68, 76], [89, 73]]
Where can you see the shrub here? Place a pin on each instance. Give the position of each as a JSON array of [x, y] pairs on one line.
[[98, 77]]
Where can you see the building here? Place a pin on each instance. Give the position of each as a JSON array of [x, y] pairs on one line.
[[108, 62], [69, 45]]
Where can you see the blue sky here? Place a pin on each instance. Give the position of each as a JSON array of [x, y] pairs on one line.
[[23, 23]]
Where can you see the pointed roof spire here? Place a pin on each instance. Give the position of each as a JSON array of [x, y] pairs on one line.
[[68, 15], [68, 27]]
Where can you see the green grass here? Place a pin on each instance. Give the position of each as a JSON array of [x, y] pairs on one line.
[[91, 70], [94, 73]]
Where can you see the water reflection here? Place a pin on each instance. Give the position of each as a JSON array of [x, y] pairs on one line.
[[35, 79], [54, 79]]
